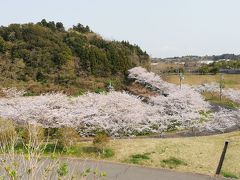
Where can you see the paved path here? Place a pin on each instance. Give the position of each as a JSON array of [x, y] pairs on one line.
[[129, 172]]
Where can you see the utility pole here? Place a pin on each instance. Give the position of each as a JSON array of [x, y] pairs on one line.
[[221, 85], [181, 77]]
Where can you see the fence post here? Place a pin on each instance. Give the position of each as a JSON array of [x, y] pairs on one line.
[[222, 158]]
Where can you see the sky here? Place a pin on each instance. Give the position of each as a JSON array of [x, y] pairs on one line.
[[163, 28]]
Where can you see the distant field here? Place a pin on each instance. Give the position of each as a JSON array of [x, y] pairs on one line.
[[162, 66], [230, 80]]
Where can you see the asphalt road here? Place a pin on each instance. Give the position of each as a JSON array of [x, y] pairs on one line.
[[129, 172], [113, 171]]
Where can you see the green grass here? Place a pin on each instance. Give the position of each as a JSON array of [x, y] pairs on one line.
[[229, 175], [172, 162], [137, 158], [107, 153], [76, 151], [80, 151]]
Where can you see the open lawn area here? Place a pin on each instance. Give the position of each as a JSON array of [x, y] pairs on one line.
[[230, 80], [192, 154]]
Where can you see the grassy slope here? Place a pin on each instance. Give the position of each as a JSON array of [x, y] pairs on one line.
[[214, 98], [196, 154], [86, 84]]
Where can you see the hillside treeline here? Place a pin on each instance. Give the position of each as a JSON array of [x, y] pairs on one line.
[[45, 54], [216, 66]]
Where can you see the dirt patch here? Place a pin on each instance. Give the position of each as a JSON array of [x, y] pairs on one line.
[[139, 90]]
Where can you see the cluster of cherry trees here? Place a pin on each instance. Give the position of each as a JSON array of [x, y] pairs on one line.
[[116, 113], [182, 106], [187, 105], [207, 87], [150, 80], [224, 119], [232, 94], [221, 121], [119, 113]]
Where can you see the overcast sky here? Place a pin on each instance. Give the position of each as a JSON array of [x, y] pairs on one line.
[[161, 27]]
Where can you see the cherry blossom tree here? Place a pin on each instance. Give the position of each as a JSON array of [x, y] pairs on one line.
[[150, 80], [207, 87], [232, 94], [117, 113]]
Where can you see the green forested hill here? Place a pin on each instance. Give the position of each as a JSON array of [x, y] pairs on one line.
[[45, 57]]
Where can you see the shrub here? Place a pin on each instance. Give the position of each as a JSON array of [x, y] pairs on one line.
[[66, 137], [63, 170], [31, 165], [50, 132], [32, 135], [107, 153], [100, 141], [99, 90], [7, 132]]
